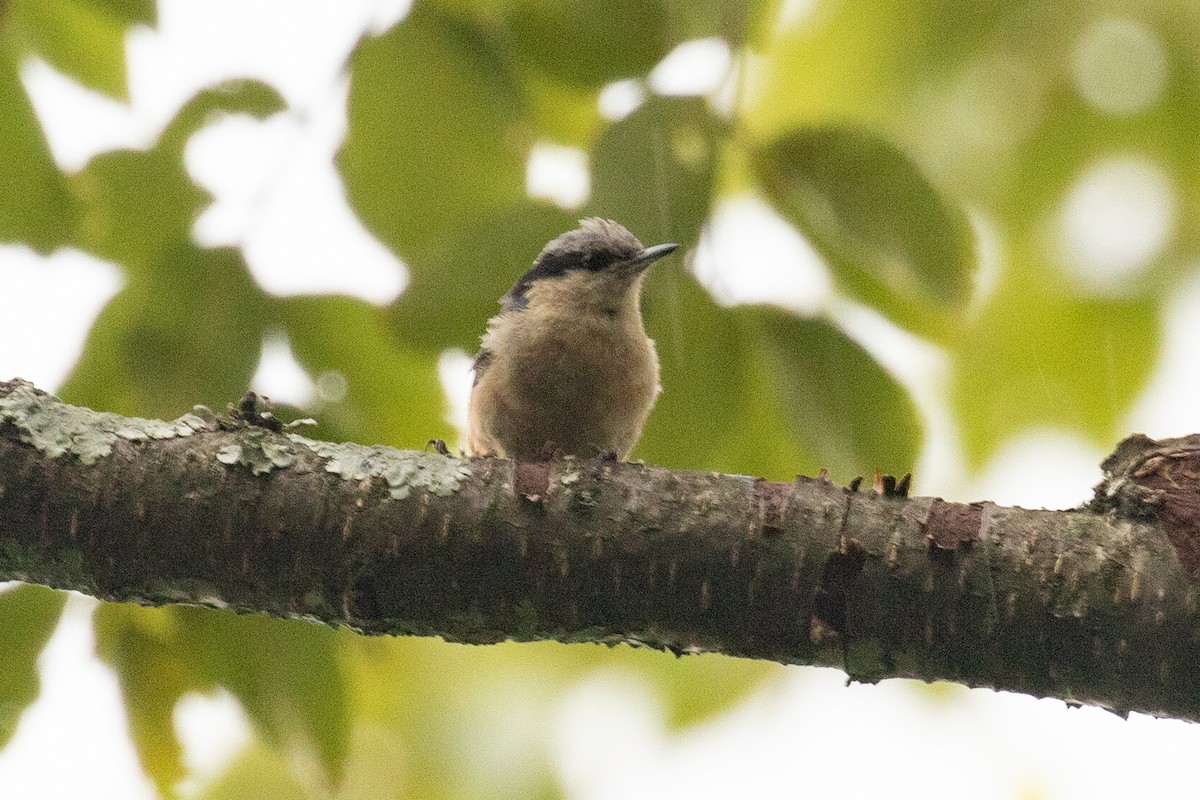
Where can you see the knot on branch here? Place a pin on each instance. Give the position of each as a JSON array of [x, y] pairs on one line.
[[1153, 480]]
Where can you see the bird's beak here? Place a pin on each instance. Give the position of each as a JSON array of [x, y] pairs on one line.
[[651, 254]]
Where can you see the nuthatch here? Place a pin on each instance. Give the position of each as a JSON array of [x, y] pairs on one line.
[[566, 364]]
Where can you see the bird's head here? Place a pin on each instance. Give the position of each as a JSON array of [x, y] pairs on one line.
[[599, 264]]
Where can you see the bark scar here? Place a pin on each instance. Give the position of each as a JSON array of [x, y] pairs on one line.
[[832, 598], [531, 480], [838, 576], [953, 524]]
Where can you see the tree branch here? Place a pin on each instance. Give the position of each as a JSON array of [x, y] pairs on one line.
[[1089, 605]]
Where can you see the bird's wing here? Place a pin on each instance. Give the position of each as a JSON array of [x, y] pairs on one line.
[[482, 359]]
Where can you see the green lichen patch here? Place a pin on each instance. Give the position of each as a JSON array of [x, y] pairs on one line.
[[58, 429], [260, 450], [402, 470]]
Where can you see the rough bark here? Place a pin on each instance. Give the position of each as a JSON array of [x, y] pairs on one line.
[[1096, 605]]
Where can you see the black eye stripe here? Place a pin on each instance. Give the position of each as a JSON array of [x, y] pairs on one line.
[[596, 246], [551, 265], [599, 260]]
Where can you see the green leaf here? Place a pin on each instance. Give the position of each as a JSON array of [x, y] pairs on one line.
[[188, 326], [452, 697], [758, 391], [839, 405], [1029, 204], [189, 332], [702, 372], [82, 39], [436, 140], [376, 766], [138, 207], [237, 96], [578, 43], [139, 644], [889, 237], [453, 294], [562, 113], [1049, 349], [739, 22], [28, 615], [285, 673], [698, 688], [36, 208], [131, 11], [141, 204], [654, 170], [442, 725], [258, 772], [1039, 356], [393, 394], [989, 102]]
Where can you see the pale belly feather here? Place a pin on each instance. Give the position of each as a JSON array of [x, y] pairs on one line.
[[585, 388]]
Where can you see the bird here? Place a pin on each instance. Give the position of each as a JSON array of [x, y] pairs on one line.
[[566, 365]]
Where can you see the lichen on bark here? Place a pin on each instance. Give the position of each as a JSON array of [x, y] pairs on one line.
[[57, 429], [403, 471], [260, 450]]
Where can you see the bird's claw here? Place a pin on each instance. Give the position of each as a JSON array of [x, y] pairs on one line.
[[439, 447]]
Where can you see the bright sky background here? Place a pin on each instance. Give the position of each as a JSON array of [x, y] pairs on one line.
[[280, 199]]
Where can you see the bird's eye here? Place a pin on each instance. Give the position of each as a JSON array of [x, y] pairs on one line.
[[597, 261]]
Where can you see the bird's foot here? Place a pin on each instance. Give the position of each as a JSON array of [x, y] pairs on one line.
[[439, 447]]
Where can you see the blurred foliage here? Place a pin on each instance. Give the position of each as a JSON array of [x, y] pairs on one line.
[[287, 676], [889, 238], [190, 320], [929, 150], [28, 615], [86, 40], [1004, 107]]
